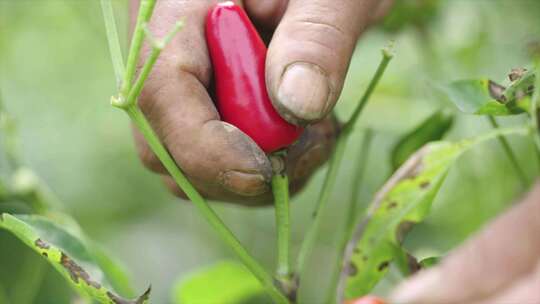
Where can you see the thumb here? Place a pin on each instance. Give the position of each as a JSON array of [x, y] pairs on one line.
[[309, 55]]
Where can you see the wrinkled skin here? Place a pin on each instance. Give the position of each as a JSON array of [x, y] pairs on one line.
[[500, 265], [313, 39]]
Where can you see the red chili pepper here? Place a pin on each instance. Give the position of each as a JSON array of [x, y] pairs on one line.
[[238, 55]]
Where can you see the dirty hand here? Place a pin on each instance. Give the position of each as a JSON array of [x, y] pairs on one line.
[[308, 57], [501, 265]]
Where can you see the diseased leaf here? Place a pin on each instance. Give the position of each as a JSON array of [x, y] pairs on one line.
[[484, 97], [68, 254], [431, 129], [223, 283], [403, 201]]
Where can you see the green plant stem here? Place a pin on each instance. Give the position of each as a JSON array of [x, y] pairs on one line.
[[351, 213], [280, 189], [330, 178], [534, 110], [145, 12], [510, 153], [157, 47], [361, 165], [140, 121], [114, 42], [335, 162], [387, 57]]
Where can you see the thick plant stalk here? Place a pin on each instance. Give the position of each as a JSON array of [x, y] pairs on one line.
[[280, 189], [335, 161], [127, 101]]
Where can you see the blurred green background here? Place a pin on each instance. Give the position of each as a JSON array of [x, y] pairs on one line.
[[56, 79]]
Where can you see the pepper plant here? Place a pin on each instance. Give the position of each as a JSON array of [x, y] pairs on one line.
[[370, 240]]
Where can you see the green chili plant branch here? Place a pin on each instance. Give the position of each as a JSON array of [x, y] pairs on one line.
[[146, 9], [335, 161], [127, 101], [510, 153], [535, 101], [280, 189]]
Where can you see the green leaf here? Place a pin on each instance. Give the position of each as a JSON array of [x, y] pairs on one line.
[[483, 97], [68, 254], [223, 283], [405, 199], [431, 129]]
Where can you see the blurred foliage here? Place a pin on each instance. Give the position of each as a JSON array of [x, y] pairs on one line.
[[431, 129], [56, 79], [417, 13], [230, 283]]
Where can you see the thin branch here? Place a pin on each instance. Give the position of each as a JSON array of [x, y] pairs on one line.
[[388, 54], [330, 178], [335, 161], [510, 153], [157, 47], [361, 165], [351, 213], [114, 42], [145, 12], [534, 110]]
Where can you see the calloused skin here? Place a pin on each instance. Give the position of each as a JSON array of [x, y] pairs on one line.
[[311, 39]]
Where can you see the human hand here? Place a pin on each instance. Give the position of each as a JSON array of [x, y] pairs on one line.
[[306, 64], [501, 265]]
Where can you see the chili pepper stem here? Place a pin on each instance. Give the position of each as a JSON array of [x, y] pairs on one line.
[[335, 161], [127, 100], [280, 189]]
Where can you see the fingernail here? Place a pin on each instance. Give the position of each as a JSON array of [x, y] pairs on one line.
[[304, 93], [417, 289], [246, 184]]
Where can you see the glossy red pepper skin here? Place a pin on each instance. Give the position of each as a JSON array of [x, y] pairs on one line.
[[238, 57]]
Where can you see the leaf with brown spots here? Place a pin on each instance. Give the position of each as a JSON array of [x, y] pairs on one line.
[[485, 97], [404, 200], [74, 257]]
